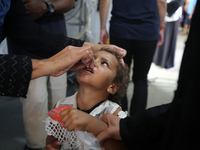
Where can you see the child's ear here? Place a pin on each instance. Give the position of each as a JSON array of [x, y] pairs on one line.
[[113, 88]]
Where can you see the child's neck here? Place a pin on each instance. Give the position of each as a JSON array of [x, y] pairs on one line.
[[87, 97]]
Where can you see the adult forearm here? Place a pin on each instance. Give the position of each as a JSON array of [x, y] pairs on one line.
[[192, 11], [62, 6], [104, 8], [40, 68], [162, 6]]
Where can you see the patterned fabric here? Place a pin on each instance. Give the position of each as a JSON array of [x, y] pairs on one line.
[[15, 75], [68, 139], [73, 42]]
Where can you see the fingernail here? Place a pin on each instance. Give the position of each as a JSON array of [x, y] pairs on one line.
[[122, 53]]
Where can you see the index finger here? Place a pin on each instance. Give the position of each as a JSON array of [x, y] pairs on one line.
[[65, 111], [119, 51]]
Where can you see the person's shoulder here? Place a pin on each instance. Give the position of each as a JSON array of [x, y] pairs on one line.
[[111, 106], [116, 109]]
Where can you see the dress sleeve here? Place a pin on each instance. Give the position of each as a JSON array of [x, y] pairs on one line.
[[23, 31], [15, 75], [144, 127]]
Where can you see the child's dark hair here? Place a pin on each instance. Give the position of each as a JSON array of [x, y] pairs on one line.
[[121, 79]]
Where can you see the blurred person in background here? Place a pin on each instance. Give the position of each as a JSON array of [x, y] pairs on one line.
[[164, 54], [136, 26], [190, 10]]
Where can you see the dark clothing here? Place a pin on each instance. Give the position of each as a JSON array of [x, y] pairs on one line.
[[142, 52], [134, 26], [178, 126], [173, 6], [15, 75], [4, 7], [135, 20], [143, 130], [54, 24], [164, 54], [187, 20], [23, 31]]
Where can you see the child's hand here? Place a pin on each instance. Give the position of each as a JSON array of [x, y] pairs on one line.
[[54, 146], [74, 119]]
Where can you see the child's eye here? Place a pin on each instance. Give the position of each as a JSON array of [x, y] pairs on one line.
[[105, 63]]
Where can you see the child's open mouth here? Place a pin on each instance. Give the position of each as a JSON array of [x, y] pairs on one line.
[[89, 70]]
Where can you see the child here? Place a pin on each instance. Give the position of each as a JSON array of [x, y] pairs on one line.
[[100, 89]]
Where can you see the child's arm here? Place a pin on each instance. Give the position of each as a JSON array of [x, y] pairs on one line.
[[74, 119], [52, 143], [112, 144]]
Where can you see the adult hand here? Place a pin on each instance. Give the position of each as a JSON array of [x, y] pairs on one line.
[[120, 52], [103, 36], [161, 39], [54, 146], [67, 59], [112, 132], [35, 8]]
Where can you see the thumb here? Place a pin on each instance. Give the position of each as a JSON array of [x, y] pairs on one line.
[[104, 135]]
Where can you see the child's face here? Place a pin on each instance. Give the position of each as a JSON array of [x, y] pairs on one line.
[[105, 66]]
